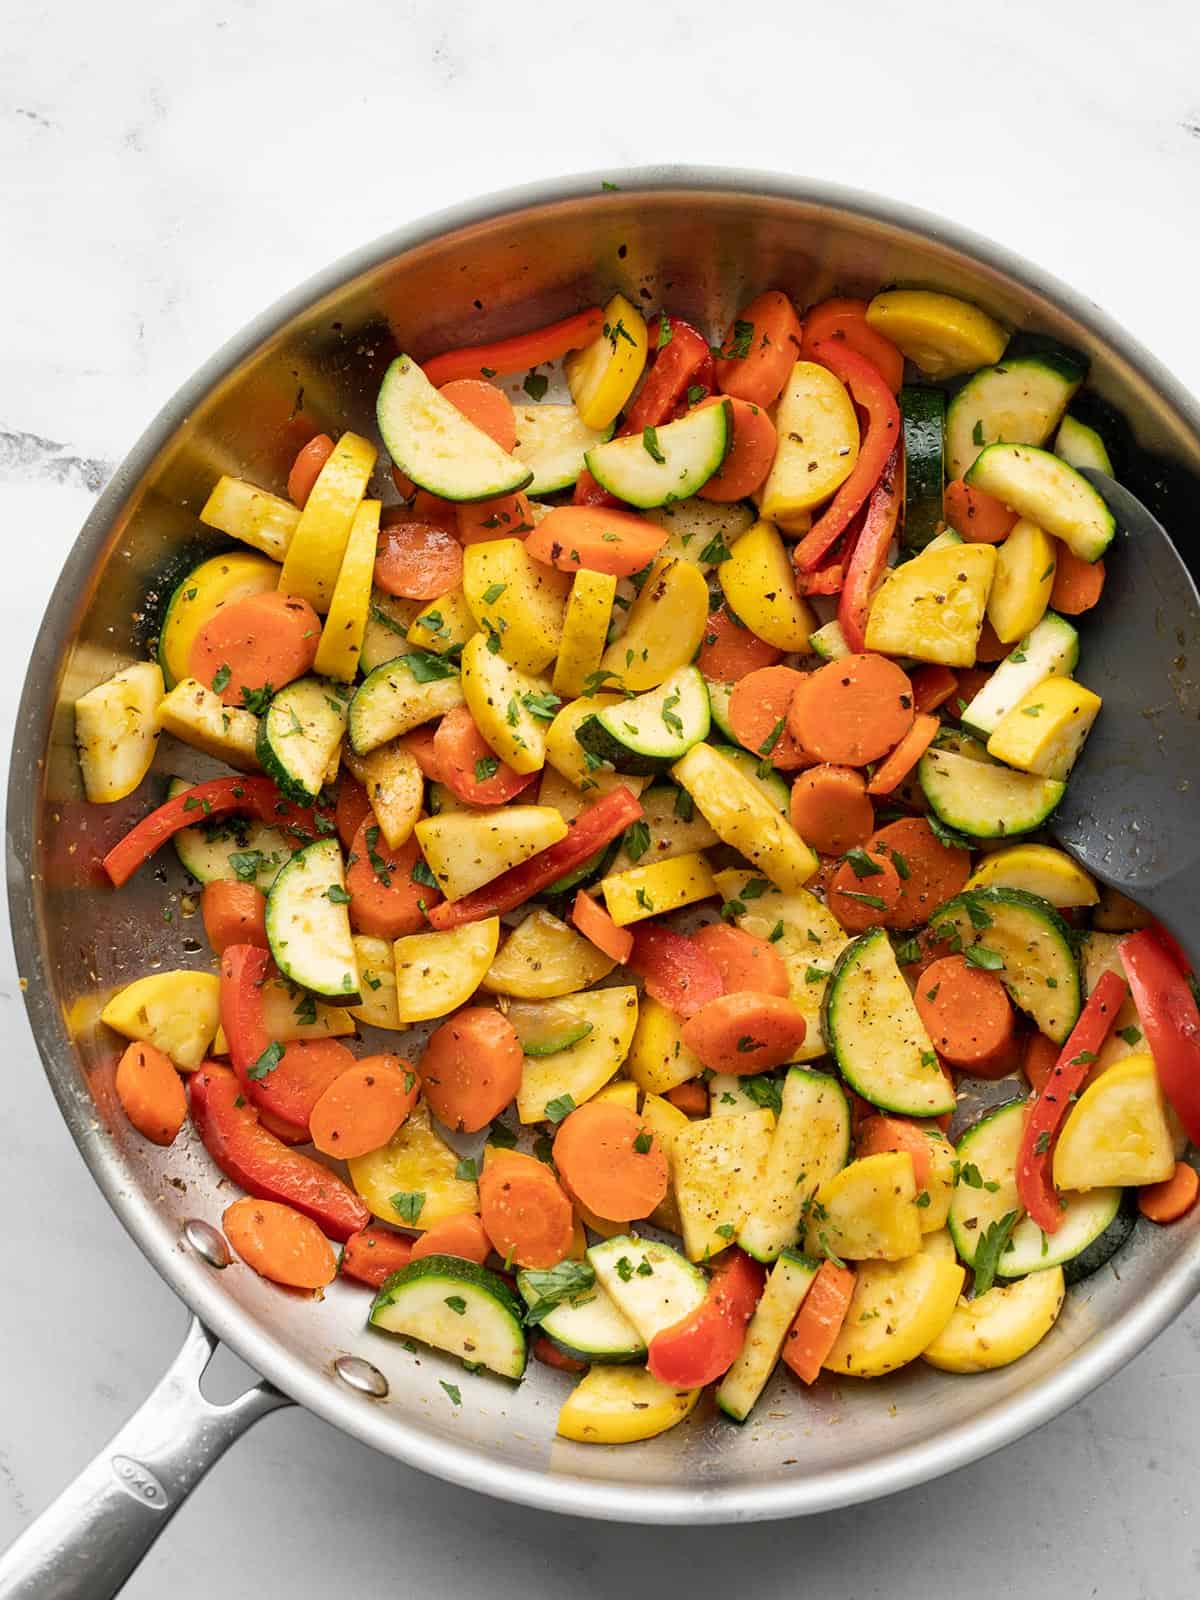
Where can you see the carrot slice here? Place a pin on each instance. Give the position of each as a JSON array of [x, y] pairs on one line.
[[845, 318], [759, 710], [852, 711], [151, 1093], [595, 924], [306, 468], [830, 809], [877, 1135], [893, 770], [1078, 584], [425, 510], [353, 808], [864, 899], [419, 744], [978, 516], [930, 872], [487, 407], [819, 1321], [610, 1162], [385, 899], [990, 647], [262, 642], [373, 1254], [1171, 1199], [288, 1091], [460, 1235], [968, 1015], [760, 349], [234, 913], [471, 1068], [506, 517], [932, 687], [729, 650], [690, 1098], [363, 1106], [594, 537], [676, 972], [745, 1032], [525, 1213], [418, 562], [743, 961], [468, 766], [280, 1244], [750, 454], [1039, 1061]]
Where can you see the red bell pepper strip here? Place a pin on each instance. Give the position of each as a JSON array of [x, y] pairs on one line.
[[1170, 1019], [705, 1344], [1035, 1160], [932, 686], [673, 365], [518, 354], [261, 1164], [219, 797], [826, 579], [591, 830], [872, 394], [704, 377], [372, 1255], [677, 973], [867, 563]]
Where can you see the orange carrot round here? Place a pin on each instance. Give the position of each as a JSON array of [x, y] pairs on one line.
[[691, 1098], [471, 1068], [729, 650], [878, 1134], [978, 516], [151, 1093], [353, 808], [385, 899], [760, 349], [990, 646], [1078, 584], [419, 744], [460, 1235], [846, 319], [234, 913], [373, 1254], [262, 642], [418, 562], [363, 1107], [424, 509], [506, 517], [852, 711], [745, 1032], [866, 900], [280, 1244], [597, 538], [967, 1014], [759, 710], [819, 1321], [830, 809], [1039, 1061], [595, 924], [306, 468], [1171, 1199], [610, 1162], [743, 961], [930, 872], [293, 1087], [750, 454], [525, 1213], [932, 687], [468, 766], [487, 407], [895, 767]]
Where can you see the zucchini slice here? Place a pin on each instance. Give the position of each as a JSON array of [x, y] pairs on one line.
[[671, 826], [876, 1035], [649, 732], [399, 695], [1039, 869], [552, 441], [1050, 492], [1082, 446], [932, 607], [590, 1328], [466, 849], [1039, 968], [1050, 650], [230, 848], [300, 734], [745, 818], [974, 794], [431, 441], [1021, 400], [759, 773], [1117, 1132], [581, 1069], [701, 531], [457, 1307], [719, 696], [308, 925], [622, 1405], [1000, 1326], [897, 1310], [923, 411], [661, 465], [868, 1211], [811, 1143], [649, 1283], [789, 1282], [1105, 1245], [717, 1165], [828, 642]]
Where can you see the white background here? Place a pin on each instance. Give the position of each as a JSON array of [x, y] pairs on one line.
[[170, 169]]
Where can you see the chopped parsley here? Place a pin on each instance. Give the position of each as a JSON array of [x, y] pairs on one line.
[[409, 1203], [221, 677], [979, 955], [558, 1108], [535, 385], [486, 767], [650, 445], [267, 1062]]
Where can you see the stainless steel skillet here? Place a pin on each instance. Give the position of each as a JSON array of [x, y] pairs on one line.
[[700, 241]]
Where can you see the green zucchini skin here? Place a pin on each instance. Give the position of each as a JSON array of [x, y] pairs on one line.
[[488, 1330], [923, 412], [1102, 1249], [649, 733], [308, 932]]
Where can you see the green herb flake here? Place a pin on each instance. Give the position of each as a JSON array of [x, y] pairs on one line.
[[486, 767], [452, 1390], [547, 1288], [861, 864], [637, 840], [493, 592], [457, 1304], [535, 385], [989, 1250], [221, 677], [558, 1108], [409, 1203], [650, 445], [979, 955], [775, 934], [467, 1170], [267, 1062], [1131, 1035], [715, 551]]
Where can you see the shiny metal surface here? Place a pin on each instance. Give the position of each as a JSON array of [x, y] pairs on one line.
[[702, 242]]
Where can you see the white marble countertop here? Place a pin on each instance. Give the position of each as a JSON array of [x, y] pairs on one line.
[[169, 171]]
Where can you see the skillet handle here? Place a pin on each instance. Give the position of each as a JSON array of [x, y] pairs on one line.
[[88, 1542]]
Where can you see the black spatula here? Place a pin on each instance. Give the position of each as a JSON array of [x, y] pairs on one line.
[[1131, 813]]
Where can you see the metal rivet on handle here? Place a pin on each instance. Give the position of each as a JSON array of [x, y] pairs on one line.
[[361, 1375], [206, 1241]]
